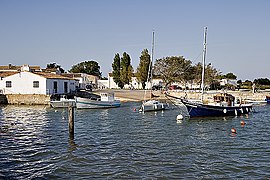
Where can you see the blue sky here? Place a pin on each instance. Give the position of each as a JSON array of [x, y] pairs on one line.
[[37, 32]]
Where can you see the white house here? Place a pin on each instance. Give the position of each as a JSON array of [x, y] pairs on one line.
[[134, 84], [232, 82], [110, 84], [84, 79], [26, 82]]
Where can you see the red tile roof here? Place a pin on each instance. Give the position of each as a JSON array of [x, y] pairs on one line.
[[6, 74], [52, 76], [17, 68]]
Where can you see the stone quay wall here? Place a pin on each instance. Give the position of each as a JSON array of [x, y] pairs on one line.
[[245, 95], [140, 95], [28, 99]]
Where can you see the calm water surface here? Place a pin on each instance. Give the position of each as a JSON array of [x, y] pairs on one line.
[[122, 144]]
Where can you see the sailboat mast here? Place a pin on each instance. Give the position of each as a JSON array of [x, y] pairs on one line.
[[150, 69], [203, 61], [152, 59]]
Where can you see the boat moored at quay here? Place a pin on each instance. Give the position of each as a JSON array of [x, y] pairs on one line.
[[106, 100]]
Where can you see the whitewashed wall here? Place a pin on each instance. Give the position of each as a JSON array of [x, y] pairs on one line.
[[110, 84], [22, 83], [60, 86]]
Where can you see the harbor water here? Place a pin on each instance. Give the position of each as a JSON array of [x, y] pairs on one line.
[[121, 143]]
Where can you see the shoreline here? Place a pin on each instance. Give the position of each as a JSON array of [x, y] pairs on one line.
[[134, 96], [139, 95]]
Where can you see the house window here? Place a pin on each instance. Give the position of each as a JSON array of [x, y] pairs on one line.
[[55, 86], [66, 87], [8, 84], [35, 84]]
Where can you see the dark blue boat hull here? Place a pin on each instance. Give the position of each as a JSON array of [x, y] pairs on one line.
[[202, 110], [267, 99]]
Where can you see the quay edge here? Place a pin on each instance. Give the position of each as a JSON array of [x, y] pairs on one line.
[[25, 99]]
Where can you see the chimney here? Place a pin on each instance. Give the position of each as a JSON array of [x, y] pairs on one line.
[[25, 67]]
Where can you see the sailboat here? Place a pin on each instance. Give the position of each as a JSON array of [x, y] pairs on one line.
[[223, 104], [152, 104]]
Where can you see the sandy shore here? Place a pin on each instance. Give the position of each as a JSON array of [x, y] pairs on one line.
[[140, 95]]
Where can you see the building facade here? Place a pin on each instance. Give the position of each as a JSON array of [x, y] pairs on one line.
[[134, 84], [26, 82], [86, 81]]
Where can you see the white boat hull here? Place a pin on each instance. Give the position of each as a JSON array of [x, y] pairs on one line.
[[63, 104], [85, 103], [153, 105]]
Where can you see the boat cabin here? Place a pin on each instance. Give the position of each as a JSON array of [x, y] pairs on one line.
[[224, 98], [108, 96]]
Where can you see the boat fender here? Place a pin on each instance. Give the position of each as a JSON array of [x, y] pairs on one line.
[[233, 130], [179, 117], [225, 111], [156, 106], [235, 111], [242, 111], [247, 109]]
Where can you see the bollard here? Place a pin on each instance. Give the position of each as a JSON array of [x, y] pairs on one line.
[[71, 121]]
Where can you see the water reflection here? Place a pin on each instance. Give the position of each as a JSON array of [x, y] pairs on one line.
[[120, 143], [23, 120], [72, 144]]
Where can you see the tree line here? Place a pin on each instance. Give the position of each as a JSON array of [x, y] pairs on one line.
[[172, 69], [169, 69]]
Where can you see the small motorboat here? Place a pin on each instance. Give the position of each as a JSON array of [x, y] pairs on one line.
[[105, 100], [152, 105], [63, 102]]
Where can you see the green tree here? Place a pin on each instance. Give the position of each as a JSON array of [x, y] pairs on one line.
[[239, 82], [55, 66], [173, 69], [211, 74], [230, 76], [262, 81], [88, 67], [126, 69], [122, 70], [143, 68], [185, 70], [116, 70]]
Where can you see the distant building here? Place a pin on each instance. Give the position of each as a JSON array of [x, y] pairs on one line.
[[232, 82], [85, 80], [13, 68], [26, 82], [52, 70], [134, 84]]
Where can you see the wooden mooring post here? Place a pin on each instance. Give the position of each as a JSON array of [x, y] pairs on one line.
[[71, 121]]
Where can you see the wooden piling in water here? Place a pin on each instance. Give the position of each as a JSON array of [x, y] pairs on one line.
[[71, 121]]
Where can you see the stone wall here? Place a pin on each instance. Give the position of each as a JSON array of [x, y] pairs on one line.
[[260, 96], [3, 99], [28, 99], [139, 95]]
